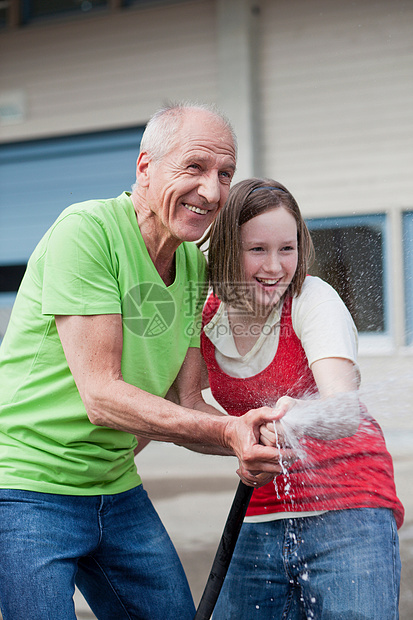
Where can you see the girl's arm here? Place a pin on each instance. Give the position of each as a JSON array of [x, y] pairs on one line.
[[334, 375], [329, 338]]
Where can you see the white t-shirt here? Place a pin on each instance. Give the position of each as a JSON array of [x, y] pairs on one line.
[[319, 317]]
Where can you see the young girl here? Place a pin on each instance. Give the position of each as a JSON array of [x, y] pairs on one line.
[[320, 541]]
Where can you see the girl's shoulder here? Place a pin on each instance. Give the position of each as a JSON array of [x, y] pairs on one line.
[[319, 302], [317, 298], [316, 288]]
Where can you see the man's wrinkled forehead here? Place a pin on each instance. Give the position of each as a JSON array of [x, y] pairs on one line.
[[202, 128]]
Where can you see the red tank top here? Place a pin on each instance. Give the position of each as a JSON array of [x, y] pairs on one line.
[[353, 472]]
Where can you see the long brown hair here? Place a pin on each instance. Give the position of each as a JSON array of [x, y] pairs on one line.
[[246, 200]]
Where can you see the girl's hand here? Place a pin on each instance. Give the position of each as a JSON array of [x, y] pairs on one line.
[[272, 433], [283, 405]]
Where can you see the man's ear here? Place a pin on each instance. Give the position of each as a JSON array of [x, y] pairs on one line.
[[142, 169]]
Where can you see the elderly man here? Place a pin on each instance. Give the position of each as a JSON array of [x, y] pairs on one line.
[[104, 327]]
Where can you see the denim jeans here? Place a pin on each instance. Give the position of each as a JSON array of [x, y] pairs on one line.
[[342, 565], [113, 547]]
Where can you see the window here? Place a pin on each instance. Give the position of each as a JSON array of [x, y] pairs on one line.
[[408, 273], [10, 277], [350, 255], [14, 13], [4, 11], [34, 10]]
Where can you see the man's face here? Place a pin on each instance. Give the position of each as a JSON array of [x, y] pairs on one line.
[[190, 184]]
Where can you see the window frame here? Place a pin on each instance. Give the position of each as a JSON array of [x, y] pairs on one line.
[[407, 219]]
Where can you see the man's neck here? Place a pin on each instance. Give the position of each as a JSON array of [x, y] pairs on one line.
[[160, 244]]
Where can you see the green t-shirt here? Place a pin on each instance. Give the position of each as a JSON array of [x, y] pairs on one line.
[[91, 261]]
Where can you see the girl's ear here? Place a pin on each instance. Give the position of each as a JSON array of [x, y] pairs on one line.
[[142, 169]]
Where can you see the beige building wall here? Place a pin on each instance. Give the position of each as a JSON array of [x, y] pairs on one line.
[[108, 71], [337, 114], [320, 92], [337, 102], [114, 69], [323, 88]]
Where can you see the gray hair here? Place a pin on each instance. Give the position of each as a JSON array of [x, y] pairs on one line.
[[161, 130]]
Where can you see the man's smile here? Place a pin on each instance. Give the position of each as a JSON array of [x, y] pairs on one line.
[[195, 209]]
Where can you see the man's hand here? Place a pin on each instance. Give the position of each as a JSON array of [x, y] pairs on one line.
[[258, 463]]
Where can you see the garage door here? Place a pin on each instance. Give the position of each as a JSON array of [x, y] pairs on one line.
[[39, 179]]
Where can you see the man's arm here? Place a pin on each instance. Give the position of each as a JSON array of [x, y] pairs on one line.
[[93, 349], [187, 392]]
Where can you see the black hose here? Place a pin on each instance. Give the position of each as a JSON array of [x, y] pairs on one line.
[[224, 553]]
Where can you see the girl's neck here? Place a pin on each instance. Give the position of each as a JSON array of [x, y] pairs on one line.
[[242, 316], [246, 327]]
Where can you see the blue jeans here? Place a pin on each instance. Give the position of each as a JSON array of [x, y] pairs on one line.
[[342, 565], [113, 547]]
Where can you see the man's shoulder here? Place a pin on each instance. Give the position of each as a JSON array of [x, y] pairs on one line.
[[99, 208]]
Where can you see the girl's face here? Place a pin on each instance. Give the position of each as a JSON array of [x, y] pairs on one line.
[[269, 256]]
